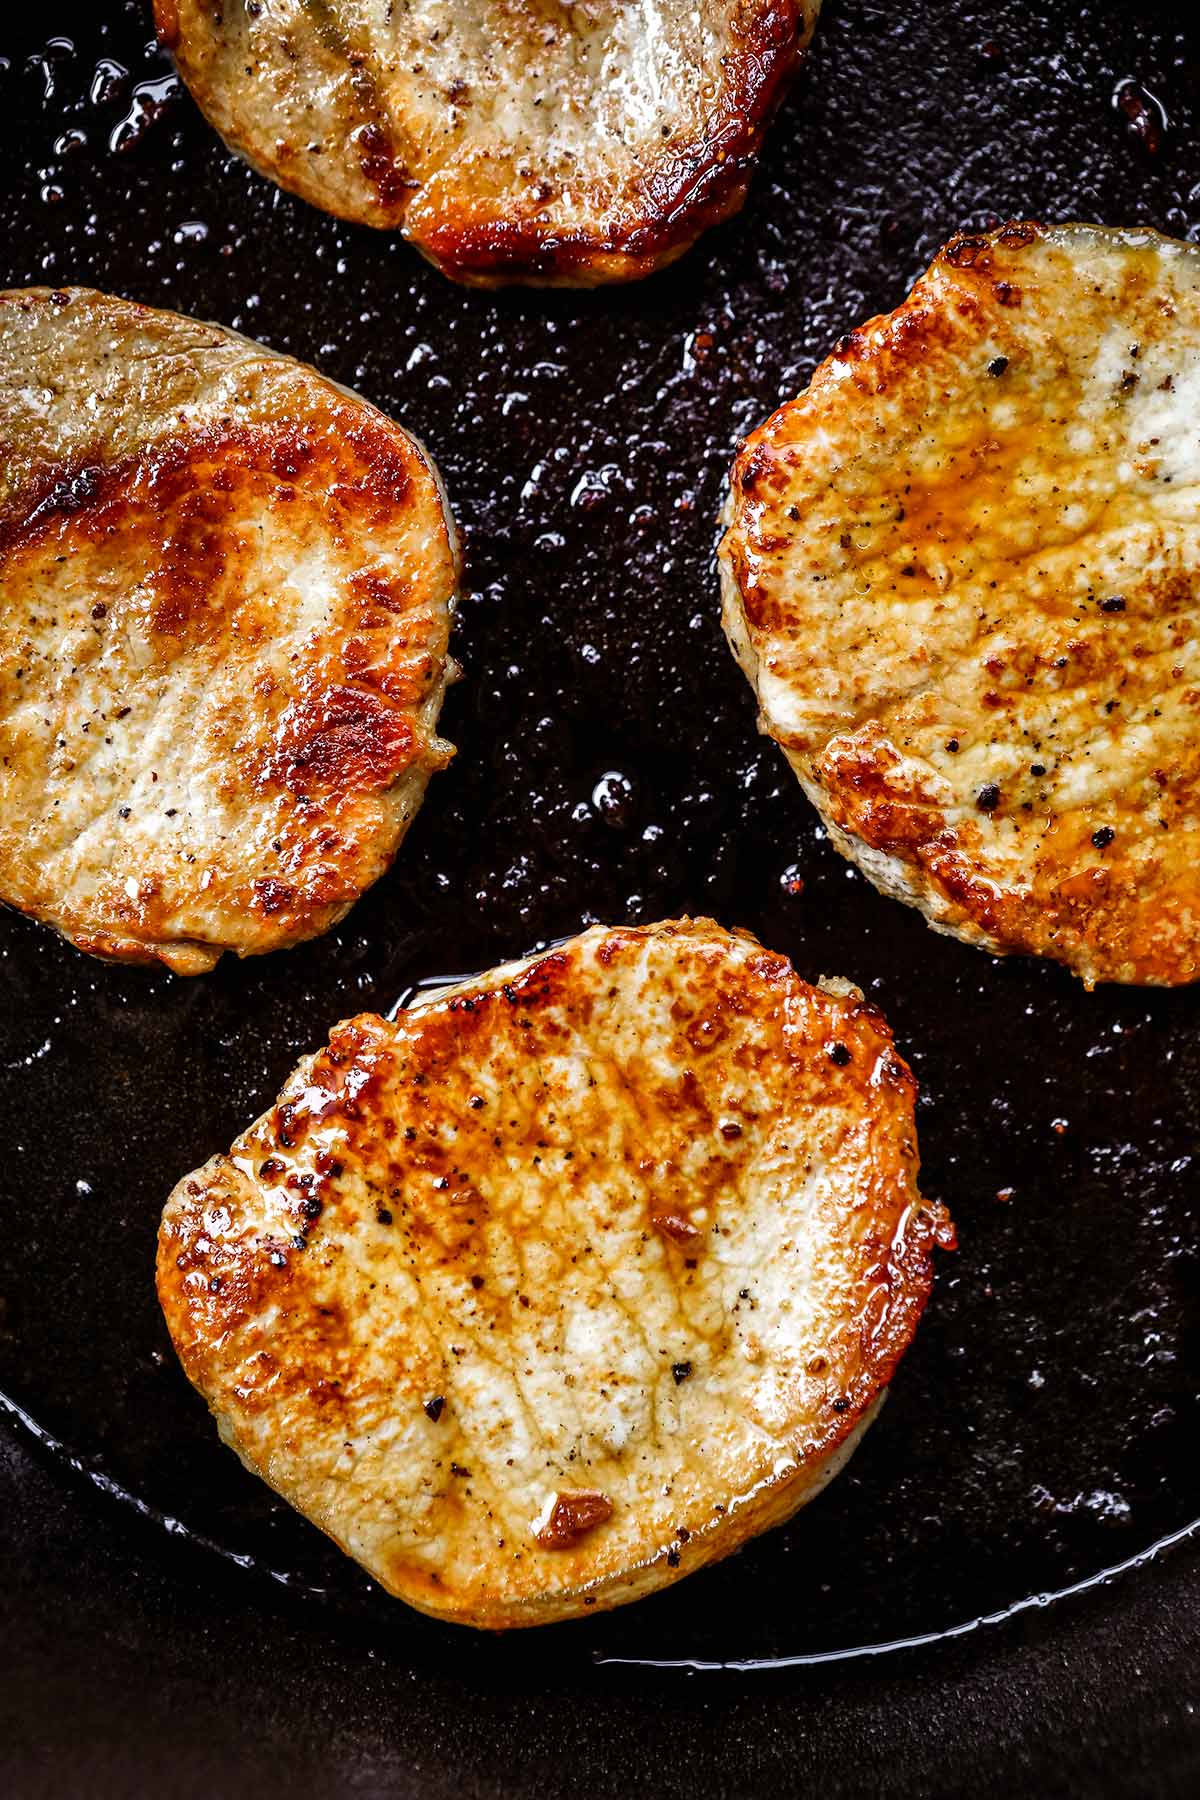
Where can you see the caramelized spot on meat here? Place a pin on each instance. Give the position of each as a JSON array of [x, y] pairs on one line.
[[569, 1516]]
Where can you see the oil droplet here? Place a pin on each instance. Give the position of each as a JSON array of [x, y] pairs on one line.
[[151, 99], [1145, 115], [613, 797], [108, 81]]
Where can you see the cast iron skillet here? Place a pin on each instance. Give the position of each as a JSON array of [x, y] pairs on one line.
[[1043, 1428]]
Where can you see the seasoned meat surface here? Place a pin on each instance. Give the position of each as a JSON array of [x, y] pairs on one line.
[[224, 611], [510, 140], [962, 572], [568, 1280]]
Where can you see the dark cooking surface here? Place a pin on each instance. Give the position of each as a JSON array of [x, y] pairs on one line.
[[1044, 1426]]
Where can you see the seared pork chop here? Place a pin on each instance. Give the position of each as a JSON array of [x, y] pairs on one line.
[[962, 572], [568, 1280], [510, 140], [224, 611]]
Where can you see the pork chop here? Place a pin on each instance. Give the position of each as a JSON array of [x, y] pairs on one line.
[[568, 1280], [510, 140], [962, 572], [225, 604]]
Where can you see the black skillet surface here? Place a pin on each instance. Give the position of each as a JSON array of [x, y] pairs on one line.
[[1043, 1428]]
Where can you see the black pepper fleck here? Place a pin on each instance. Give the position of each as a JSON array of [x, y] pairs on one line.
[[988, 798], [997, 365], [681, 1371], [433, 1408], [1104, 837]]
